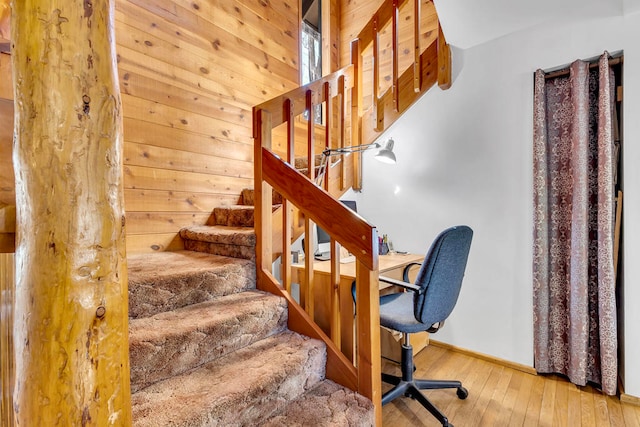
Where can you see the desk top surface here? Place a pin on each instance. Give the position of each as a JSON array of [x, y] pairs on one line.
[[348, 270]]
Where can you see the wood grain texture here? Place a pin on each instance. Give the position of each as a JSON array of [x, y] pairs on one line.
[[7, 362], [6, 83], [71, 302], [190, 72], [502, 396], [7, 180]]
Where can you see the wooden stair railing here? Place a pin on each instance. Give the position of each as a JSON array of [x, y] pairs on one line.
[[430, 64], [317, 206], [346, 123]]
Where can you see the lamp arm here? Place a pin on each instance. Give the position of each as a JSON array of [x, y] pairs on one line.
[[350, 149]]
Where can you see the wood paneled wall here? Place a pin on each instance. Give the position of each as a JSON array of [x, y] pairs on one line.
[[7, 273], [190, 72]]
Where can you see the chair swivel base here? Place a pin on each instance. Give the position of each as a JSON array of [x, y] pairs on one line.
[[407, 386], [412, 389]]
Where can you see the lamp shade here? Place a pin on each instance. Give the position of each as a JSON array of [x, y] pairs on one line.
[[385, 155]]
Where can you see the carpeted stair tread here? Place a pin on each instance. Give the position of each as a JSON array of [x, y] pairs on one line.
[[165, 281], [236, 242], [326, 405], [235, 216], [174, 342], [248, 197], [242, 236], [242, 388]]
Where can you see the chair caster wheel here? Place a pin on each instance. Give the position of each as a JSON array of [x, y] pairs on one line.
[[462, 393]]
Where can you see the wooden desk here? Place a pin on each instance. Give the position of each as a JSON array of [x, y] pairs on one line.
[[390, 265]]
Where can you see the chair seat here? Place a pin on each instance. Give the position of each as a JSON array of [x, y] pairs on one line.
[[394, 313]]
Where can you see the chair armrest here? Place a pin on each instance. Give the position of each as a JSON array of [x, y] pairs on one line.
[[406, 285], [405, 272]]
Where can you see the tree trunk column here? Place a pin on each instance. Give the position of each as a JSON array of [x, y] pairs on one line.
[[71, 330]]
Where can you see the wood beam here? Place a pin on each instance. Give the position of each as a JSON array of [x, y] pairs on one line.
[[71, 303]]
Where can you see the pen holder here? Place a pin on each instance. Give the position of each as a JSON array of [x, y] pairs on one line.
[[383, 248]]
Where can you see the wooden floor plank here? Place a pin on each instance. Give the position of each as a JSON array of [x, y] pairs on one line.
[[532, 416], [488, 392], [614, 409], [502, 396], [509, 401], [631, 415], [522, 400], [548, 403], [587, 410], [562, 399], [494, 408], [574, 418], [601, 411]]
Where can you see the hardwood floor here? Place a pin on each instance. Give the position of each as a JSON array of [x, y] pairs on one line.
[[502, 396]]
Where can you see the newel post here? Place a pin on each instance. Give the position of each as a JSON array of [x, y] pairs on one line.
[[71, 330]]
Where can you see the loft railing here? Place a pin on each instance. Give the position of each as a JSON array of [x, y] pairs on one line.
[[347, 121]]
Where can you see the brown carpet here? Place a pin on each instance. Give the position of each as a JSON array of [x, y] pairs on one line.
[[207, 349]]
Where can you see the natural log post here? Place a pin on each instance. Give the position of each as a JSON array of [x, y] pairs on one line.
[[71, 331]]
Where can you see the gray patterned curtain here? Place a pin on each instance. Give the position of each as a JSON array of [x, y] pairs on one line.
[[575, 331]]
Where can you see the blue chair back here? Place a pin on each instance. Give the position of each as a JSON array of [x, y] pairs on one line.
[[440, 276]]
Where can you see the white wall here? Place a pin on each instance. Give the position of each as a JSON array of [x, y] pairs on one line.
[[465, 157], [632, 202]]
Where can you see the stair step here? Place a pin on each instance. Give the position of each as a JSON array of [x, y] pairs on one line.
[[237, 242], [177, 341], [243, 388], [165, 281], [326, 405], [248, 197], [235, 216]]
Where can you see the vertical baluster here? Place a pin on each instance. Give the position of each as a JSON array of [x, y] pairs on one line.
[[417, 69], [341, 128], [328, 133], [263, 197], [356, 112], [368, 332], [311, 156], [334, 322], [287, 213], [394, 51], [378, 109], [306, 294]]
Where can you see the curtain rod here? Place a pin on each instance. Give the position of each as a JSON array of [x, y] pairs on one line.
[[593, 64]]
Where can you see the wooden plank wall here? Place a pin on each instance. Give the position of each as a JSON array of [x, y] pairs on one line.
[[7, 186], [7, 273], [190, 72], [356, 13]]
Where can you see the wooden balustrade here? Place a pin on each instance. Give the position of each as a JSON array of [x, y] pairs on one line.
[[318, 206], [431, 64]]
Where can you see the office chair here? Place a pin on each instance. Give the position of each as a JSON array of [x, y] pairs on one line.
[[425, 307]]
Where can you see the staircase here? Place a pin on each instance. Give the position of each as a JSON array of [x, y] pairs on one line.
[[207, 348]]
